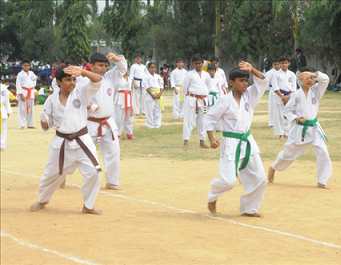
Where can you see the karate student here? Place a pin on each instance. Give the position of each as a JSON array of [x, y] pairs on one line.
[[72, 146], [102, 127], [283, 84], [272, 96], [154, 86], [213, 94], [177, 79], [197, 84], [5, 110], [223, 90], [137, 73], [302, 110], [26, 81], [239, 150], [123, 109]]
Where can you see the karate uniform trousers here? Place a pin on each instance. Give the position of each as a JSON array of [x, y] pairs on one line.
[[281, 125], [178, 106], [153, 112], [139, 96], [122, 121]]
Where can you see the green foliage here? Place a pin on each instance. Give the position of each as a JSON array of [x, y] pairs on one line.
[[74, 29]]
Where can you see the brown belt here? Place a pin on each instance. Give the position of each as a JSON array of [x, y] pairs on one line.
[[75, 136], [101, 121], [196, 104]]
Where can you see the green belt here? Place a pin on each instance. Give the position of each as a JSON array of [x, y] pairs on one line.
[[214, 94], [242, 137], [310, 123]]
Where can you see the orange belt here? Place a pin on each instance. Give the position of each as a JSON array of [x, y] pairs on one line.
[[126, 93], [198, 97], [224, 90], [28, 105], [101, 121]]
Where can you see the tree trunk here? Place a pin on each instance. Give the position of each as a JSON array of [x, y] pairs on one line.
[[155, 57]]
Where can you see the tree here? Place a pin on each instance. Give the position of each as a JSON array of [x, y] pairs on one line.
[[74, 29]]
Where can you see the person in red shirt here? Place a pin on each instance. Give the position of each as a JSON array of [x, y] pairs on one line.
[[165, 75], [85, 62]]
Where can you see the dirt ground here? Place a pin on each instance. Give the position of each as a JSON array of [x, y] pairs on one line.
[[161, 216]]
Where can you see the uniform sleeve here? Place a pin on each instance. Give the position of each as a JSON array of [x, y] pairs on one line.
[[321, 86], [7, 102], [18, 84], [257, 90], [173, 78], [225, 80], [117, 72], [89, 90], [145, 81], [290, 107], [215, 113], [185, 86], [293, 85], [34, 79], [275, 81], [132, 72], [48, 108]]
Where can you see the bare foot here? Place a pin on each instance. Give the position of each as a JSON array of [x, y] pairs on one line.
[[281, 138], [212, 207], [62, 185], [133, 138], [253, 215], [185, 148], [92, 211], [323, 186], [271, 174], [22, 128], [112, 187], [37, 206], [203, 145], [2, 149], [31, 127]]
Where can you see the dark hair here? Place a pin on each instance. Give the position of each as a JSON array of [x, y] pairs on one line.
[[69, 61], [283, 58], [178, 60], [85, 57], [161, 68], [149, 56], [237, 73], [60, 74], [25, 60], [137, 55], [98, 57], [197, 57], [165, 65], [150, 64], [37, 87], [298, 50], [289, 53], [308, 69], [211, 66], [275, 60], [215, 59]]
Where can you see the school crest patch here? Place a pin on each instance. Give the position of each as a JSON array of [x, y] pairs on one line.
[[76, 103], [290, 80], [109, 91], [207, 82], [247, 107], [3, 93], [313, 100]]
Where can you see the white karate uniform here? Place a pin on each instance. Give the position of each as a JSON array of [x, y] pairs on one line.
[[138, 71], [123, 119], [307, 106], [28, 81], [69, 119], [285, 81], [177, 79], [216, 87], [272, 96], [238, 119], [200, 86], [105, 99], [153, 108], [223, 82], [5, 110]]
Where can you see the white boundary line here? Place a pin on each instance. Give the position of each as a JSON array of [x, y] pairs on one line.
[[47, 250], [209, 216]]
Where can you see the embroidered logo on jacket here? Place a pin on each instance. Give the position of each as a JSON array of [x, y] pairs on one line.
[[109, 91], [290, 80], [313, 100], [3, 93], [247, 106], [76, 103], [207, 82]]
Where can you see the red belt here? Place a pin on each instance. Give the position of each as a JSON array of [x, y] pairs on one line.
[[126, 93], [224, 90], [101, 121], [28, 105], [81, 144], [196, 103]]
